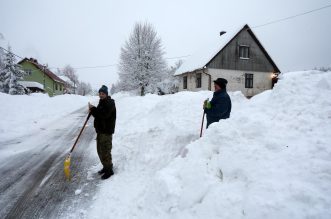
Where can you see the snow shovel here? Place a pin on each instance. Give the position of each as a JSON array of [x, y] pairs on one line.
[[68, 158]]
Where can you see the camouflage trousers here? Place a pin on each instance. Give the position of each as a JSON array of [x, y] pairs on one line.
[[104, 146]]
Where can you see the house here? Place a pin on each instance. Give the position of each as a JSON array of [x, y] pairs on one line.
[[239, 57], [42, 77], [70, 87]]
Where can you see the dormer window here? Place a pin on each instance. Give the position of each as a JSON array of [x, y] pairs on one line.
[[243, 52]]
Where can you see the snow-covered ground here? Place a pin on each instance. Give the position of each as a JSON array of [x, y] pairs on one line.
[[271, 159], [21, 115]]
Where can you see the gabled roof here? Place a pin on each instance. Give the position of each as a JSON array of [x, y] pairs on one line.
[[202, 57], [43, 69]]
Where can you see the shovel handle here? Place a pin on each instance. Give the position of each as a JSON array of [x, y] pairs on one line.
[[80, 133]]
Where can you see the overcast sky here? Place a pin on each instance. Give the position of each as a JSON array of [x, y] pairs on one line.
[[91, 33]]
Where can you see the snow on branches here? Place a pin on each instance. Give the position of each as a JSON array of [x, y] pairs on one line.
[[142, 65], [10, 74]]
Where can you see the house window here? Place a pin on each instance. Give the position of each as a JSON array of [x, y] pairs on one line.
[[55, 86], [244, 52], [248, 80], [198, 80], [185, 82], [28, 71]]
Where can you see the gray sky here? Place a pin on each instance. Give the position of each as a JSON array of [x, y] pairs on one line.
[[91, 33]]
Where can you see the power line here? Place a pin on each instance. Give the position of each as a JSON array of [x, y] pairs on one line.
[[178, 57], [91, 67], [11, 52], [293, 16], [88, 67]]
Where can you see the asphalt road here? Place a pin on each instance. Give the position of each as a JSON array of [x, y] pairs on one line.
[[32, 183]]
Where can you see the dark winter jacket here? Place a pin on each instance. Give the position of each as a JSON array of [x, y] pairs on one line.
[[105, 116], [220, 107]]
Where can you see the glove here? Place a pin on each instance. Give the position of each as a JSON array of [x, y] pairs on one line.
[[90, 106], [206, 104]]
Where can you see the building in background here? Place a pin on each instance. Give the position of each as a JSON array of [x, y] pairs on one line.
[[41, 78], [239, 57]]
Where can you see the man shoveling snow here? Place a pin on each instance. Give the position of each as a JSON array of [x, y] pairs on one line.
[[104, 123], [220, 105]]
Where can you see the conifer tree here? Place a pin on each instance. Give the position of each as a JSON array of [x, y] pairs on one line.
[[10, 74]]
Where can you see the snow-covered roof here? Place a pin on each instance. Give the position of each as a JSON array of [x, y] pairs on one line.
[[31, 84], [64, 78], [202, 56], [67, 80]]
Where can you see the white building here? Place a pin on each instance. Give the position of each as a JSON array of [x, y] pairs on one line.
[[238, 57]]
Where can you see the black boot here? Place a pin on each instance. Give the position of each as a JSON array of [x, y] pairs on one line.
[[107, 174], [102, 171]]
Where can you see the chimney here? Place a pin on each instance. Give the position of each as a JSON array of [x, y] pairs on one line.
[[33, 60], [222, 32]]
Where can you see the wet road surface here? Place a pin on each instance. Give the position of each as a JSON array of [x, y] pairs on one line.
[[32, 183]]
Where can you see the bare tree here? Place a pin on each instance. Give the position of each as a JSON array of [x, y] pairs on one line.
[[141, 60], [70, 73], [84, 89]]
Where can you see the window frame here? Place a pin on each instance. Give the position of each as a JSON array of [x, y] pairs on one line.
[[249, 80], [242, 54], [185, 82], [198, 80]]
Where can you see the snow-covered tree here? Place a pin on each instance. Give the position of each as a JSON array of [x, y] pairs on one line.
[[10, 74], [2, 65], [141, 61], [2, 57], [169, 83]]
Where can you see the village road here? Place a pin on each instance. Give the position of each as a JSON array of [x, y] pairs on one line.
[[32, 183]]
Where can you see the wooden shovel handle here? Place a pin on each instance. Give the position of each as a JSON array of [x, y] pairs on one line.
[[203, 119], [80, 133]]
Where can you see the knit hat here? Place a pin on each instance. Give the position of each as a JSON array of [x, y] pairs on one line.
[[104, 89], [221, 82]]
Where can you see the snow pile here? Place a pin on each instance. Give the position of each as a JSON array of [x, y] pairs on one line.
[[271, 159], [23, 114], [150, 132]]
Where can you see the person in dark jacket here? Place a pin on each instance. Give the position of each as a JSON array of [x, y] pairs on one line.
[[104, 123], [220, 105]]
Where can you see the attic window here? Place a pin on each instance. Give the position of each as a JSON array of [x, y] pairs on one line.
[[244, 52], [28, 71]]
